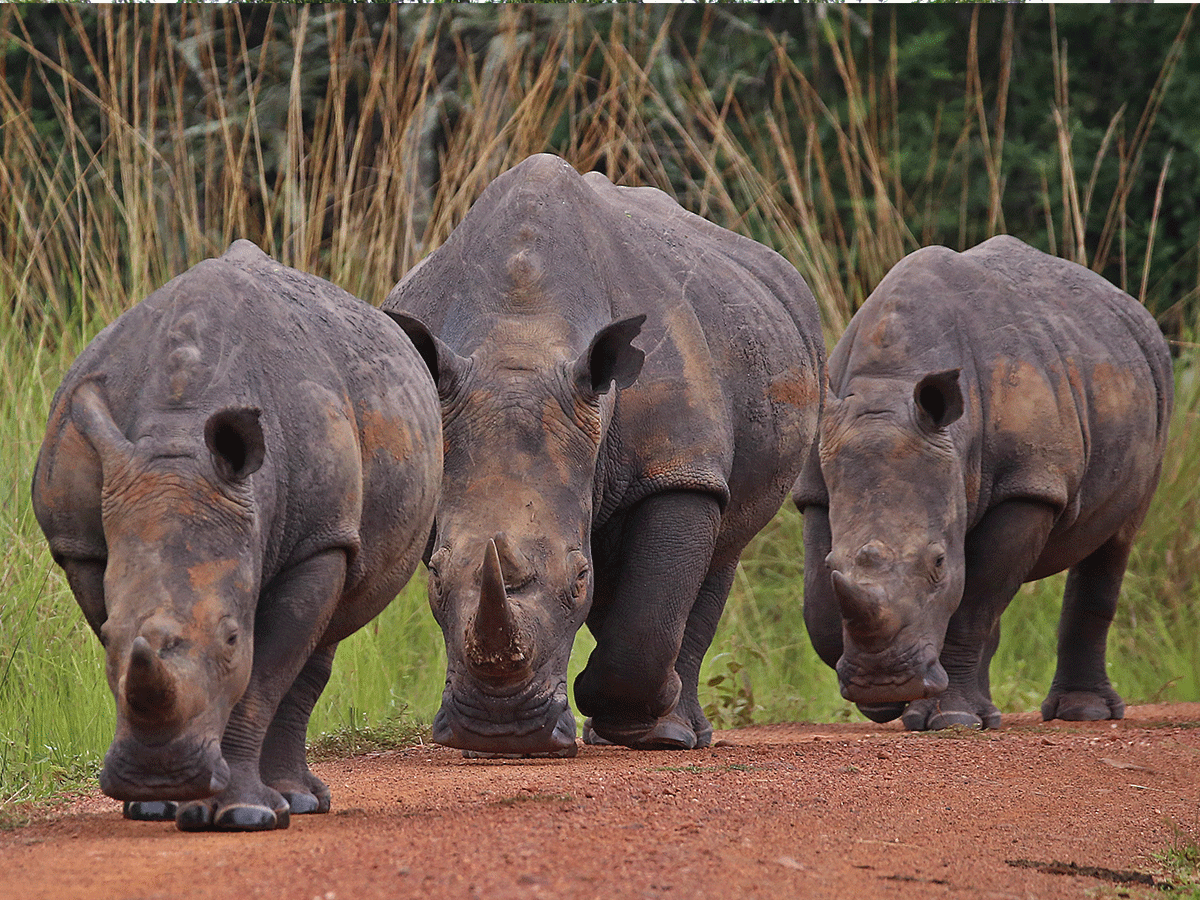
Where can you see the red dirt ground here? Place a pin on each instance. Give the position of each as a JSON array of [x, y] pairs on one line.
[[811, 811]]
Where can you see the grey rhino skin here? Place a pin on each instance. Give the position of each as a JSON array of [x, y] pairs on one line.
[[565, 500], [997, 416], [237, 473]]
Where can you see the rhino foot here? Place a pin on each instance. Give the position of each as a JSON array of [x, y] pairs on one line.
[[150, 810], [1083, 706], [590, 737], [949, 710], [194, 816], [207, 815], [303, 803], [251, 817], [669, 732], [307, 796]]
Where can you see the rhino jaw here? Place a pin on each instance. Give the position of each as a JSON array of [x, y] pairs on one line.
[[528, 724], [879, 681], [181, 769]]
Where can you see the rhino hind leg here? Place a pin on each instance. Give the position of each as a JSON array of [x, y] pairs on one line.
[[283, 765], [631, 687], [1081, 691], [1020, 528]]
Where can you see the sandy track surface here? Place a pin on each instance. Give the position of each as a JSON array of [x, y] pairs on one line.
[[839, 811]]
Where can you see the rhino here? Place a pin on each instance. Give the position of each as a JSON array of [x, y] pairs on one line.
[[589, 478], [996, 416], [237, 473]]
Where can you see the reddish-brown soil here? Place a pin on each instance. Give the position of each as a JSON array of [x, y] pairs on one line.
[[839, 811]]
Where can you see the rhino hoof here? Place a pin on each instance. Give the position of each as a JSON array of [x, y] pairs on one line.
[[150, 810], [194, 817], [670, 732], [591, 738], [249, 817], [954, 719], [302, 803], [1082, 706]]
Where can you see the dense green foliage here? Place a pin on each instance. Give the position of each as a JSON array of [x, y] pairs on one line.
[[348, 141]]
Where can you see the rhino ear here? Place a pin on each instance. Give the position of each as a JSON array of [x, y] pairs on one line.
[[611, 357], [444, 364], [235, 439], [90, 414], [938, 398]]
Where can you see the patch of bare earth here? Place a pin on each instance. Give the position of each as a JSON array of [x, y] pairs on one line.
[[861, 810]]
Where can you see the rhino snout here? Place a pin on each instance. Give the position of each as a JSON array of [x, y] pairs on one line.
[[181, 769], [890, 677], [521, 725]]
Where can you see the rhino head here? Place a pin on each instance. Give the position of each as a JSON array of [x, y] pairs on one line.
[[897, 516], [510, 560], [180, 589]]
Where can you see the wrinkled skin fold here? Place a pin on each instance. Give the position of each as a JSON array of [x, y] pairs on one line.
[[994, 417], [628, 392], [225, 513]]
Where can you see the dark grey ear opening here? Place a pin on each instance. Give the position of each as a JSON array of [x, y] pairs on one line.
[[938, 398], [421, 337], [612, 357], [443, 363], [235, 439]]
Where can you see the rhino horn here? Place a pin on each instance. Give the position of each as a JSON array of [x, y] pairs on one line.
[[494, 646], [149, 686], [864, 611]]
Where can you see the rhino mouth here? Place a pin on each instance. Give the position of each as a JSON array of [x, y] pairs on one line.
[[182, 769], [530, 723], [887, 678]]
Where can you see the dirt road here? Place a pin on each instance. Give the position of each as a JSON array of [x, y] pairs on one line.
[[789, 811]]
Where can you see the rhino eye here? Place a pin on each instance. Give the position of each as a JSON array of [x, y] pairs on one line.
[[228, 634], [579, 589], [436, 561], [939, 567]]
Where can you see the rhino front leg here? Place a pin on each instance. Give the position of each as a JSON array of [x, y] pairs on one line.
[[630, 686], [1021, 528], [284, 766], [293, 614], [697, 638], [1081, 691]]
